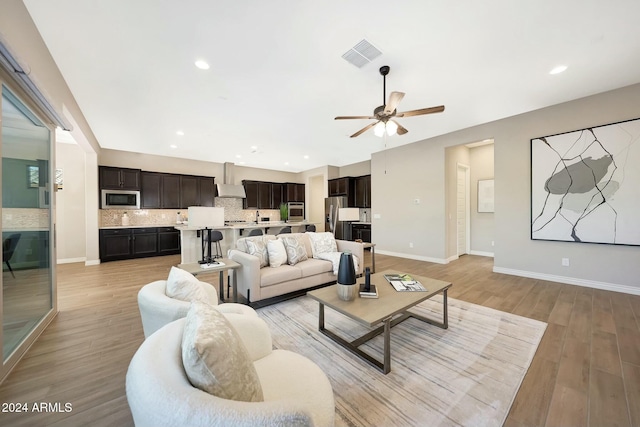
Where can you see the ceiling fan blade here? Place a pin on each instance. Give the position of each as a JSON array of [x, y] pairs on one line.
[[430, 110], [364, 129], [401, 129], [353, 117], [394, 100]]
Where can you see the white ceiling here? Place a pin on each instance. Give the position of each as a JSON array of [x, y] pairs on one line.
[[277, 78]]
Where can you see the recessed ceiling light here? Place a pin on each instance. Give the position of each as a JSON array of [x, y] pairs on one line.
[[559, 69], [241, 163], [306, 157], [180, 133], [202, 64], [238, 156], [173, 146], [286, 163]]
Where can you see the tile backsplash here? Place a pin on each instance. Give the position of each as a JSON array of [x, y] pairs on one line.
[[25, 218], [157, 217]]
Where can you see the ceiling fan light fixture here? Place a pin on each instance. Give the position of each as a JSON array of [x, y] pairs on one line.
[[379, 129], [392, 128]]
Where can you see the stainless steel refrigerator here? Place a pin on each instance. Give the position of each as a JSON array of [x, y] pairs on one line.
[[341, 229]]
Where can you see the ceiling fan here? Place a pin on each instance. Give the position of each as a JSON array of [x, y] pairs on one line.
[[385, 114]]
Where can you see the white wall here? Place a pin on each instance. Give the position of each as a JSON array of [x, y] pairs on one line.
[[421, 166], [70, 204]]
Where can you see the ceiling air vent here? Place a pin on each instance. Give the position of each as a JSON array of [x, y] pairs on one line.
[[361, 54]]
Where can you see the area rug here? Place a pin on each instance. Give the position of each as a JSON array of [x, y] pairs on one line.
[[467, 375]]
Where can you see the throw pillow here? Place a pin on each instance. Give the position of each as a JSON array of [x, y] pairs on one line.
[[296, 251], [184, 286], [214, 357], [257, 247], [322, 243], [277, 253]]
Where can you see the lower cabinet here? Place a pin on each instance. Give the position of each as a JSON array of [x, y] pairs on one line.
[[127, 243], [361, 231]]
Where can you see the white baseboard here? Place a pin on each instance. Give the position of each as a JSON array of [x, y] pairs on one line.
[[92, 262], [570, 280], [481, 253], [70, 260], [411, 256]]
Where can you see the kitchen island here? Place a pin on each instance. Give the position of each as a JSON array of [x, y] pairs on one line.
[[190, 240]]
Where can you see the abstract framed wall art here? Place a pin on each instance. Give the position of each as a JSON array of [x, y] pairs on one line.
[[585, 185]]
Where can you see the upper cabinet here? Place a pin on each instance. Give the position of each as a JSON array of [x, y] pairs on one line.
[[362, 191], [294, 192], [357, 190], [269, 195], [119, 178], [171, 191], [339, 187]]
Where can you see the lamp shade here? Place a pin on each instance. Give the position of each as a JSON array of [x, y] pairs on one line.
[[348, 214], [346, 270], [379, 129], [392, 128]]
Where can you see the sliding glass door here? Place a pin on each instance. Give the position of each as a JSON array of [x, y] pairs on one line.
[[27, 238]]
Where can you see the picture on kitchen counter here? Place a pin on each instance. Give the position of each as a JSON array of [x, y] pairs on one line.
[[585, 185]]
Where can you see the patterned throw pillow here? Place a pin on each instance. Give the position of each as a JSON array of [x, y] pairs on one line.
[[258, 248], [184, 286], [296, 251], [322, 243], [277, 253], [214, 357]]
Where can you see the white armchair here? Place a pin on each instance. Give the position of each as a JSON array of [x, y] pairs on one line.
[[296, 392], [157, 309]]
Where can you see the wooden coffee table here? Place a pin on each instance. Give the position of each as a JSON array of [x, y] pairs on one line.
[[389, 309]]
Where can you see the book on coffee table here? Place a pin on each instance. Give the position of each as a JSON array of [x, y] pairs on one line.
[[404, 283], [371, 293]]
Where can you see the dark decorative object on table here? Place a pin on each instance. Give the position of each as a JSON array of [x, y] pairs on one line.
[[367, 290], [346, 277]]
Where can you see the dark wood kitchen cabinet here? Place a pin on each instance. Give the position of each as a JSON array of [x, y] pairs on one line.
[[160, 191], [196, 191], [112, 178], [168, 241], [140, 242], [251, 191], [362, 191], [295, 192], [361, 231], [339, 187]]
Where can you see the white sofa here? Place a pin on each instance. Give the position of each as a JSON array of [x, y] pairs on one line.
[[157, 309], [256, 283], [296, 392]]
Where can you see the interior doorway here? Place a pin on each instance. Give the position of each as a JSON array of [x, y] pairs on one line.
[[463, 214]]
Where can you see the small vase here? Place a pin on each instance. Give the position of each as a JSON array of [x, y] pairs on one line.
[[346, 277]]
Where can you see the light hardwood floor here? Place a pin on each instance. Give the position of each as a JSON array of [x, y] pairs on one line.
[[586, 371]]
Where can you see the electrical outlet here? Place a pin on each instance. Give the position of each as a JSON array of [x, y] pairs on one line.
[[410, 244], [492, 243], [377, 216], [565, 262], [416, 201], [164, 216]]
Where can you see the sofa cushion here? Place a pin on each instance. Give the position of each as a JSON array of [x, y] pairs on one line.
[[241, 243], [314, 266], [284, 273], [258, 248], [322, 243], [184, 286], [296, 251], [277, 253], [214, 357]]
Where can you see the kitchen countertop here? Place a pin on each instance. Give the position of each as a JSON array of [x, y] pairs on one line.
[[361, 223], [234, 226]]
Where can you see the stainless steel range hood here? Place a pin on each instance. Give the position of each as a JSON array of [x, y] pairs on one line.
[[229, 189]]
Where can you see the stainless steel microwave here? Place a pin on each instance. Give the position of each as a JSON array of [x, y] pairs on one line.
[[120, 199]]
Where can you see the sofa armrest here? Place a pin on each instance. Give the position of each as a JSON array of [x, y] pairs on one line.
[[248, 273], [356, 248]]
